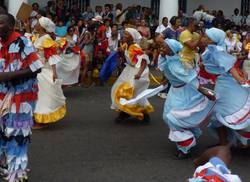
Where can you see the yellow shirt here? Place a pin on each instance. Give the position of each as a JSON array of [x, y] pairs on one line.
[[187, 54]]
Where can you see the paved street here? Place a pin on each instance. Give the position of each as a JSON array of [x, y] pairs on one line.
[[87, 146]]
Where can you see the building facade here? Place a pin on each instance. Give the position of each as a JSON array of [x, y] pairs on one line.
[[160, 7]]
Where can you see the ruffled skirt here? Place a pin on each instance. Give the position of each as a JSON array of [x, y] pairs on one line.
[[51, 105], [127, 87]]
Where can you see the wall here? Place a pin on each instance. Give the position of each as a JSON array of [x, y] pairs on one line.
[[93, 3], [42, 3], [227, 6], [126, 3]]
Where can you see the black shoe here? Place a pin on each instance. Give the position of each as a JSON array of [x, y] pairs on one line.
[[122, 116], [180, 155], [146, 119]]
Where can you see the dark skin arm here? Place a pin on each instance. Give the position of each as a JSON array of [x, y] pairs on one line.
[[118, 16], [25, 73], [192, 44], [236, 75], [223, 152], [205, 92], [142, 68]]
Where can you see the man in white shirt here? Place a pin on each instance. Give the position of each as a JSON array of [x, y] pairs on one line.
[[163, 26], [237, 18]]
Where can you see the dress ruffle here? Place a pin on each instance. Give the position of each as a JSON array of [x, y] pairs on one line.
[[125, 90], [51, 117], [17, 160]]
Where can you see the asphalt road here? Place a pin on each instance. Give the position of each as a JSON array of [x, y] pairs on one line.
[[87, 146]]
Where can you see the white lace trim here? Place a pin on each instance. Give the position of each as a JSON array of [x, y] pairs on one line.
[[179, 114]]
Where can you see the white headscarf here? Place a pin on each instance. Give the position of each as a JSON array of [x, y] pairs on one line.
[[135, 34], [47, 24]]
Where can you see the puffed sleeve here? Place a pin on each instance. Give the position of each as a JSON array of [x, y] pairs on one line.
[[50, 51], [188, 76], [217, 61]]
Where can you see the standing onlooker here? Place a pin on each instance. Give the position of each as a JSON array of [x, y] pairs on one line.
[[113, 40], [50, 8], [80, 28], [236, 17], [119, 14], [219, 21], [34, 13], [75, 12], [163, 26], [108, 28], [190, 40], [108, 13], [61, 11]]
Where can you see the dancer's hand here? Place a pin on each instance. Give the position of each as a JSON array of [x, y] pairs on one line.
[[211, 97], [242, 80], [54, 77], [137, 76]]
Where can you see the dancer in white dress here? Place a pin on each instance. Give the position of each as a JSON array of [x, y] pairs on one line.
[[51, 105], [133, 80], [68, 69]]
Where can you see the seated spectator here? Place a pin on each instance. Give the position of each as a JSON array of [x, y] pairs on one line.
[[144, 29], [88, 14], [231, 42], [173, 31], [163, 26], [98, 11], [61, 29]]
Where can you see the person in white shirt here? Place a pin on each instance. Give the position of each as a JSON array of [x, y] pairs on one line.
[[163, 26], [237, 18], [120, 14], [113, 41], [33, 15], [233, 44], [98, 11]]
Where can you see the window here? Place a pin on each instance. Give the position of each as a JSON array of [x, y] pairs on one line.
[[155, 5], [183, 5], [245, 5], [82, 4]]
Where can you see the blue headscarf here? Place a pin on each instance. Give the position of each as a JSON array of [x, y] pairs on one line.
[[174, 45], [217, 36]]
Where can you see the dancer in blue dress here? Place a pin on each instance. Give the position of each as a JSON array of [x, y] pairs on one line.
[[232, 107], [213, 165], [186, 107]]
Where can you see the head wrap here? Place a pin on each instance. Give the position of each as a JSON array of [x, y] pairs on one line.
[[47, 24], [174, 45], [135, 34], [216, 35], [97, 18]]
